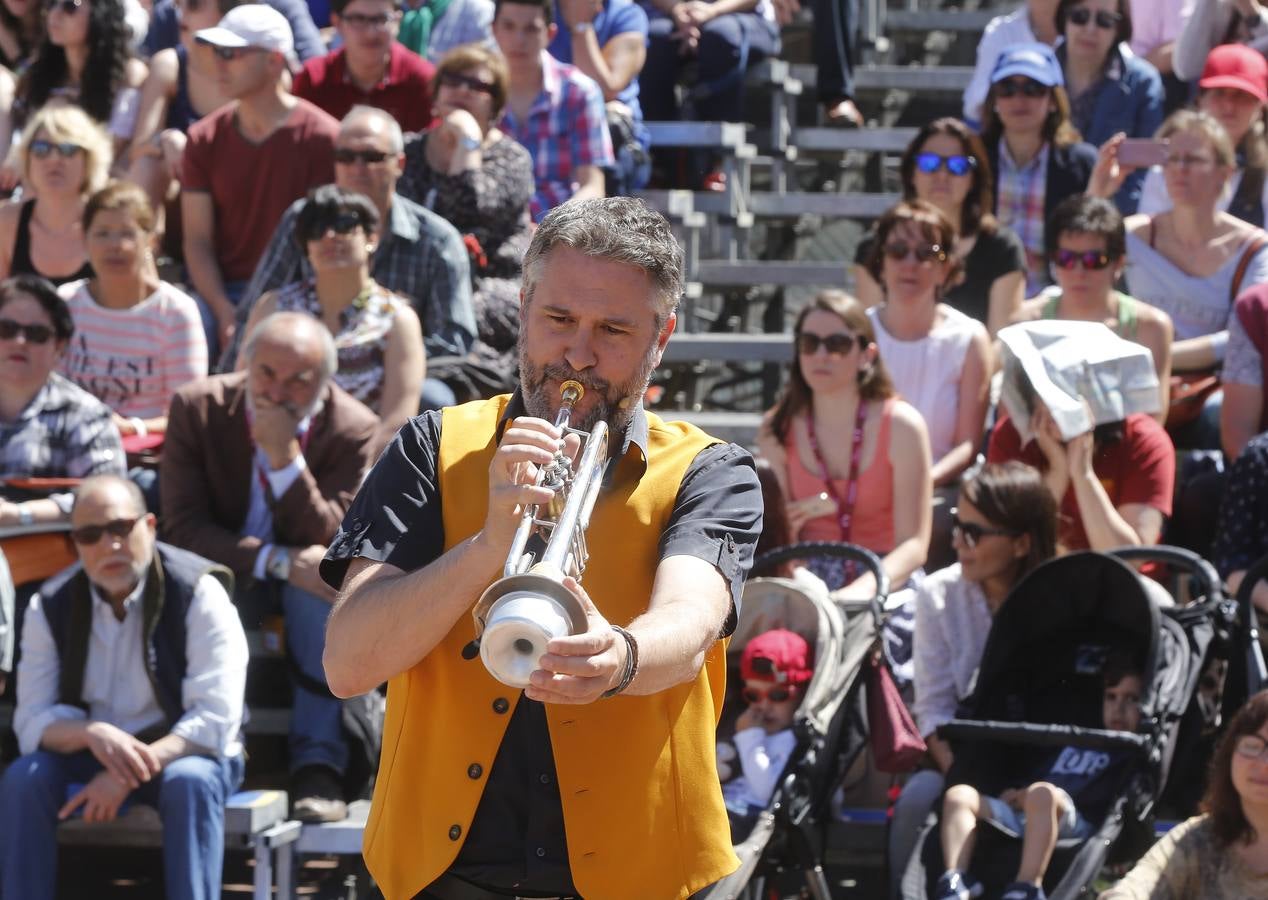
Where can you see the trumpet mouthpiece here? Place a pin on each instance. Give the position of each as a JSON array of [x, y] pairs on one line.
[[571, 391]]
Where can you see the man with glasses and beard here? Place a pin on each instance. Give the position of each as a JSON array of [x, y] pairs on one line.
[[258, 468], [131, 684], [612, 742]]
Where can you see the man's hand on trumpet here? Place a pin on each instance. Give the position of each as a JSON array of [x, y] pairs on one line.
[[580, 667], [527, 445]]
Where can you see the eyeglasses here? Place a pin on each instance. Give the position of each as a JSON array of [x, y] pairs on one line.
[[972, 533], [454, 80], [955, 165], [839, 344], [34, 334], [369, 157], [1189, 161], [1105, 20], [1251, 746], [68, 7], [777, 694], [900, 250], [90, 534], [343, 223], [1092, 260], [42, 149], [359, 21], [1027, 87]]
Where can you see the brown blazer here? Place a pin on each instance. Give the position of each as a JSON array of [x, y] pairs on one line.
[[208, 464]]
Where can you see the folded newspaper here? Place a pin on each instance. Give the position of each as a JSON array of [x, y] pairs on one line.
[[1065, 363]]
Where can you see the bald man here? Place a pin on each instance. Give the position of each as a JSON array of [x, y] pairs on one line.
[[258, 469], [130, 688]]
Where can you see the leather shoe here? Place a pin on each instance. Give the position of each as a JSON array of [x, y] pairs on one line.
[[317, 795]]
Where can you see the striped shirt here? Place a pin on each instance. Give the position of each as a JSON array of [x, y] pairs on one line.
[[134, 360], [1019, 204], [566, 128]]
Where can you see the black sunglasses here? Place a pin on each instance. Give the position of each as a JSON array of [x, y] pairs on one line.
[[959, 164], [42, 149], [455, 80], [228, 54], [34, 334], [839, 344], [1106, 20], [900, 250], [90, 534], [1092, 260], [69, 7], [342, 223], [971, 532], [1027, 87], [348, 157], [774, 694]]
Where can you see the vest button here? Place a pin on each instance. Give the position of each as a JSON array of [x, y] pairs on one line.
[[500, 705], [541, 852], [474, 771], [455, 832]]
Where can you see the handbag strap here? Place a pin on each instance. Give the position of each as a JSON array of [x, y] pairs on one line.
[[1256, 244], [845, 502]]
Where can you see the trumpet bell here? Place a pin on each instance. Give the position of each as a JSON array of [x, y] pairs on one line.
[[521, 614]]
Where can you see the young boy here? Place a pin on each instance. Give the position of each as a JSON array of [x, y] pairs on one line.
[[1047, 810], [775, 666]]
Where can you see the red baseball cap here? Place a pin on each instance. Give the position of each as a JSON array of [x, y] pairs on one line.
[[1236, 66], [782, 656]]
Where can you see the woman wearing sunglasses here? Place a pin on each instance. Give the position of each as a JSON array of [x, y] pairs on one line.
[[1086, 254], [64, 158], [1221, 854], [851, 458], [472, 174], [946, 165], [1036, 156], [377, 334], [1005, 525]]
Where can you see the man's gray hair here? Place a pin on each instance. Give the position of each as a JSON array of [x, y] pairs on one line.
[[621, 229], [293, 325], [92, 482], [390, 125]]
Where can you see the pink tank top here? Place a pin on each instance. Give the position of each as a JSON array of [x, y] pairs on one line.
[[873, 510]]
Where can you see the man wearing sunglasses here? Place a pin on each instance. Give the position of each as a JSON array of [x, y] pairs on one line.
[[133, 671]]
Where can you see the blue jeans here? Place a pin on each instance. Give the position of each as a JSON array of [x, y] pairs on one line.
[[316, 736], [190, 796]]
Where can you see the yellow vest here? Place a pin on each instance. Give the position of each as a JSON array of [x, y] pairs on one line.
[[637, 776]]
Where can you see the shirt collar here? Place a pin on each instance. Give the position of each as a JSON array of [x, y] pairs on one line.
[[401, 223], [1040, 162], [391, 73], [128, 602], [633, 441]]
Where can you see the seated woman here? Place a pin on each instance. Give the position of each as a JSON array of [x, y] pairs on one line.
[[1035, 21], [64, 158], [1005, 525], [49, 428], [377, 334], [1244, 412], [946, 165], [21, 29], [1086, 244], [1241, 534], [1221, 854], [852, 459], [1037, 157], [468, 171], [137, 339]]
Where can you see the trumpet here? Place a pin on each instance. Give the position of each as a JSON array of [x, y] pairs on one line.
[[523, 610]]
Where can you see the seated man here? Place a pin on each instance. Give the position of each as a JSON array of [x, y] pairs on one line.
[[1075, 791], [258, 469], [131, 686], [553, 109], [432, 29]]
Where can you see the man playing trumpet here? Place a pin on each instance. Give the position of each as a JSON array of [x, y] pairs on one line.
[[598, 780]]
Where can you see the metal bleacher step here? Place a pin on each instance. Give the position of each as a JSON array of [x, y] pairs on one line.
[[774, 205], [841, 140], [781, 273], [737, 427], [247, 814], [917, 79], [685, 348], [712, 135], [970, 20]]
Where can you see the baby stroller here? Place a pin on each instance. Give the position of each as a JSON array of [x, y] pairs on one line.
[[1039, 687], [789, 833]]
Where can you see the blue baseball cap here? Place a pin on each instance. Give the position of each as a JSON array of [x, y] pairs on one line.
[[1034, 61]]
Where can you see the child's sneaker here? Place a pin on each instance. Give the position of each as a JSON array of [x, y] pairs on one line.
[[958, 886], [1023, 890]]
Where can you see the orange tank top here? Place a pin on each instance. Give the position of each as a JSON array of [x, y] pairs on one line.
[[873, 525]]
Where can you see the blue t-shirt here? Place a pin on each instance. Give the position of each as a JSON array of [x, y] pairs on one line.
[[616, 17], [1090, 777]]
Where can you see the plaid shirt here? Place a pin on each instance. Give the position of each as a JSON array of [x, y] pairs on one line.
[[566, 128], [64, 432], [421, 256], [1019, 201]]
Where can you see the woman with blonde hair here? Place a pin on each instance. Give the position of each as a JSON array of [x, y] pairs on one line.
[[852, 458], [64, 158]]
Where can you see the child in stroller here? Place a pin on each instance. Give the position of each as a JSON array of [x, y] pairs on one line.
[[776, 665], [1075, 780]]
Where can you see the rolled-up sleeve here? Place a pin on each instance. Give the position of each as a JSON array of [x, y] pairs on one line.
[[216, 671], [38, 682]]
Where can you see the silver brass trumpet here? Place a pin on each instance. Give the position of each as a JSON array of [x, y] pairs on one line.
[[520, 612]]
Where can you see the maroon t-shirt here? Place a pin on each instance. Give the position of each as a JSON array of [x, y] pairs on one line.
[[1140, 468], [252, 185], [405, 92], [1252, 311]]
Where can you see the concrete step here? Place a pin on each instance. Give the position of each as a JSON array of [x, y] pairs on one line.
[[837, 205], [757, 273], [841, 140], [922, 79]]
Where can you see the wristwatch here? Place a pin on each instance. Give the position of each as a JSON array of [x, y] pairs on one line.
[[468, 143], [279, 564], [25, 516], [582, 27]]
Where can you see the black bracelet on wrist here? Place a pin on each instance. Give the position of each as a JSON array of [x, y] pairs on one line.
[[631, 662]]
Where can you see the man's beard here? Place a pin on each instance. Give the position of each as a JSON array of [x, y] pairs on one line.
[[614, 404], [297, 412]]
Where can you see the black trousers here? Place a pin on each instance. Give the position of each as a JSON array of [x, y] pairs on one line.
[[835, 48]]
